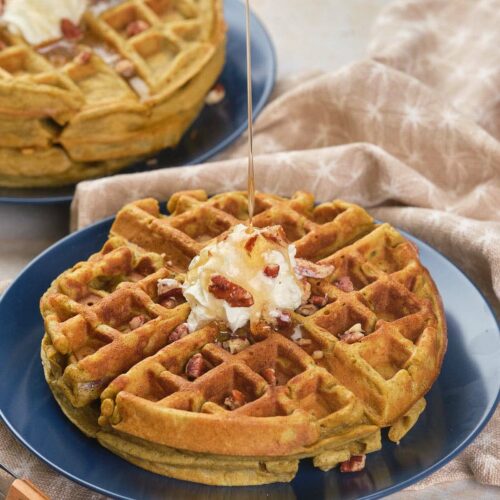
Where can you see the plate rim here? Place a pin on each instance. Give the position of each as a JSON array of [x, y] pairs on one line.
[[371, 496], [258, 107]]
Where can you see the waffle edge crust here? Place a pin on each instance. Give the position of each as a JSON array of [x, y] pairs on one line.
[[130, 86], [127, 387]]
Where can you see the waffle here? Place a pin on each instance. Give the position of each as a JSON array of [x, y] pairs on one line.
[[323, 387], [83, 108]]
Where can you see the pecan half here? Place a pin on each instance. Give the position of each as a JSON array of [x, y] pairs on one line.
[[136, 27], [354, 334], [308, 269], [233, 294], [137, 322], [178, 333], [235, 400], [196, 367], [70, 30], [269, 375], [355, 464], [345, 284], [272, 270]]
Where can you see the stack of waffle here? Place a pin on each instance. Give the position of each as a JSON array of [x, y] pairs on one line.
[[125, 83], [216, 408]]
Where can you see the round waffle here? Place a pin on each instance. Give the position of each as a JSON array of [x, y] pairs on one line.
[[357, 361], [126, 83]]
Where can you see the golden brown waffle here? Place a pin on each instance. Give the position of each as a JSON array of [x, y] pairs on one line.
[[130, 85], [358, 362]]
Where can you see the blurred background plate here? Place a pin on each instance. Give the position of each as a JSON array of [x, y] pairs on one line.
[[217, 126], [460, 403]]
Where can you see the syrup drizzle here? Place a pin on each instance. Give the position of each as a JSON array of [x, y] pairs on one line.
[[251, 174]]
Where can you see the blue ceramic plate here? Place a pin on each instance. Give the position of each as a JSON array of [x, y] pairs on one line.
[[459, 404], [217, 126]]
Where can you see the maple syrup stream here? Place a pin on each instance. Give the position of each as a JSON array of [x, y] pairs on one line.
[[251, 174]]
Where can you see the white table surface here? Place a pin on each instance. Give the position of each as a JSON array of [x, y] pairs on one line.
[[309, 35]]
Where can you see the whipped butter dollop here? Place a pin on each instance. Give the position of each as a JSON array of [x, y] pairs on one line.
[[39, 21], [260, 262]]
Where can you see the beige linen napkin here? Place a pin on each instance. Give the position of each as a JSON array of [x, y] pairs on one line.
[[412, 134]]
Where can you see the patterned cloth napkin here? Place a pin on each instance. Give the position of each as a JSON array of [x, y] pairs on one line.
[[411, 133]]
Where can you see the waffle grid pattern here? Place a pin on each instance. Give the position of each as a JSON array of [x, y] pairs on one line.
[[130, 86], [328, 399]]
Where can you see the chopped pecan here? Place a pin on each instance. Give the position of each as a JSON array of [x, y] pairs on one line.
[[308, 269], [355, 464], [70, 30], [125, 68], [216, 95], [250, 243], [168, 303], [303, 342], [234, 346], [196, 367], [136, 27], [235, 400], [319, 300], [275, 234], [269, 375], [272, 270], [345, 284], [284, 319], [83, 57], [178, 333], [353, 335], [137, 321], [307, 309], [260, 330], [167, 288], [233, 294]]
